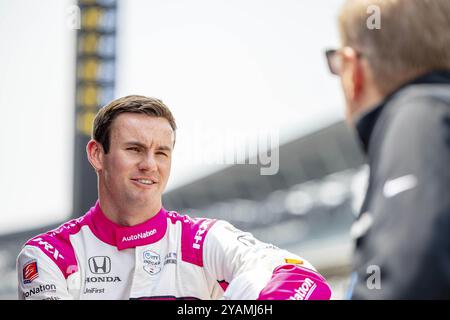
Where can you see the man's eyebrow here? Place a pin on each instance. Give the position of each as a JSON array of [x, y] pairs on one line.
[[141, 145], [164, 148], [136, 143]]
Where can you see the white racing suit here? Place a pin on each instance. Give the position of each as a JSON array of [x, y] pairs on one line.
[[170, 256]]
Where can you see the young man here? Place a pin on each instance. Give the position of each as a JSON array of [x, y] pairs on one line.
[[129, 247], [395, 74]]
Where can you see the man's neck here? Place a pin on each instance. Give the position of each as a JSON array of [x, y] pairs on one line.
[[368, 101], [128, 216]]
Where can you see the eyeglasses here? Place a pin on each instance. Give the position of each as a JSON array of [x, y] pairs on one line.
[[334, 61]]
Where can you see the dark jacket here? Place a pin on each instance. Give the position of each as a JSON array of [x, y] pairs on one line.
[[403, 232]]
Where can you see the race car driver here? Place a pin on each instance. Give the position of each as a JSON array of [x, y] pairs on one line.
[[127, 246]]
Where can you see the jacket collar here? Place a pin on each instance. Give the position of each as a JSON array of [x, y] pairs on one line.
[[122, 237], [366, 123]]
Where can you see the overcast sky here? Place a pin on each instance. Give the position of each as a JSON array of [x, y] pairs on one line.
[[250, 68]]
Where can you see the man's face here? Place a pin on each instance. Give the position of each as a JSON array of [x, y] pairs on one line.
[[347, 83], [357, 80], [137, 167], [346, 63]]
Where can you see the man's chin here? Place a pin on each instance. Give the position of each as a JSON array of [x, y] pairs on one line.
[[146, 199]]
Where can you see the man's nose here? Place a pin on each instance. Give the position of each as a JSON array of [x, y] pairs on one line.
[[148, 163]]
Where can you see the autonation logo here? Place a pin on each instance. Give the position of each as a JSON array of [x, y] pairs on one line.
[[139, 236], [41, 289], [304, 291]]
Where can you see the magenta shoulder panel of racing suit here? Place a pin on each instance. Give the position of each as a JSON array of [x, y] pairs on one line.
[[56, 245], [193, 236]]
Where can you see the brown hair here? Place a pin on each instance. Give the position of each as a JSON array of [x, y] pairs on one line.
[[414, 38], [133, 104]]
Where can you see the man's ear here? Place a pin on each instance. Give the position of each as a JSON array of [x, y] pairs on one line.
[[95, 154], [354, 73]]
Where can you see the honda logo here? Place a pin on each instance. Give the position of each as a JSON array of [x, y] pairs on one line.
[[100, 265]]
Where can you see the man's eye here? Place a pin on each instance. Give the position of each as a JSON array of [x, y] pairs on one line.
[[162, 154], [134, 149]]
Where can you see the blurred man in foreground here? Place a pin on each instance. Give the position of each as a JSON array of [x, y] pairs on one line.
[[129, 247], [396, 82]]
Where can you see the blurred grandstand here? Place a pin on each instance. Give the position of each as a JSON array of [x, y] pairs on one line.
[[307, 207]]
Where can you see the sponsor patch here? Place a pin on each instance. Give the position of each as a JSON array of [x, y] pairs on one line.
[[152, 262], [42, 289], [139, 236], [171, 257], [293, 261], [30, 272], [304, 291]]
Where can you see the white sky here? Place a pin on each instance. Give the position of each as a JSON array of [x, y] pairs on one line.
[[221, 66]]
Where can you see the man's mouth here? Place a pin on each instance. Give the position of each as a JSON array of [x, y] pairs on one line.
[[147, 182]]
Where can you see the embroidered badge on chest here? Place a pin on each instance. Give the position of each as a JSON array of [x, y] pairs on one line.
[[152, 262]]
